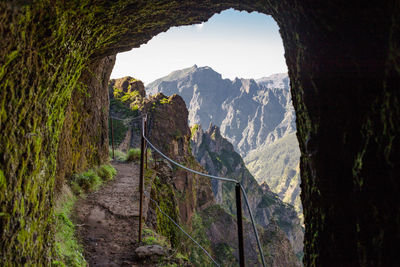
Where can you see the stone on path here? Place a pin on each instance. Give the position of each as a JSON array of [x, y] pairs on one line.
[[149, 251]]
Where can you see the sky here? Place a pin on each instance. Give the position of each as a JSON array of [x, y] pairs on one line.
[[233, 43]]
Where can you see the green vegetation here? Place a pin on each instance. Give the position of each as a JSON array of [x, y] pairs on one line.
[[165, 100], [278, 166], [152, 238], [164, 194], [133, 154], [118, 154], [68, 252], [196, 254], [91, 179], [193, 130], [120, 108]]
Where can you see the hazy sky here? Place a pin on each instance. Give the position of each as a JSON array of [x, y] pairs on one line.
[[233, 43]]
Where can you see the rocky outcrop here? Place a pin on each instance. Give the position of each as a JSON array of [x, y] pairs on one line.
[[218, 157], [126, 95], [129, 85], [168, 130]]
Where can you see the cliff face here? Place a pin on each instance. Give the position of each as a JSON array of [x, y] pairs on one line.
[[189, 199], [218, 157], [256, 116], [168, 130]]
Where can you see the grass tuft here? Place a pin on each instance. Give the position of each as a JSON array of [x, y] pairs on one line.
[[106, 172], [91, 179], [119, 155], [133, 154]]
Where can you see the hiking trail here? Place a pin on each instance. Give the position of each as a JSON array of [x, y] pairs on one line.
[[108, 219]]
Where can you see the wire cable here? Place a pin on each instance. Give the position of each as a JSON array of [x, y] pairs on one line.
[[180, 228], [253, 224], [126, 119], [186, 168]]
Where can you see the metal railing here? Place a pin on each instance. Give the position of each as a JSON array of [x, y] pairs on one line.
[[239, 190]]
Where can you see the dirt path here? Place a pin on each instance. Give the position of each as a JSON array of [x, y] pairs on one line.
[[108, 220]]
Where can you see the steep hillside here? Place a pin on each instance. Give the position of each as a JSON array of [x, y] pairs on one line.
[[271, 162], [252, 114], [218, 157]]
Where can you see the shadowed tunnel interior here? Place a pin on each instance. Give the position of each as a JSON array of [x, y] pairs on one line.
[[344, 68]]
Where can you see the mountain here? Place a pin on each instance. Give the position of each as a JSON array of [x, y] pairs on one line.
[[252, 115], [217, 156]]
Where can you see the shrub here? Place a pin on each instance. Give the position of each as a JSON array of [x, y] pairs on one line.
[[106, 172], [133, 154], [87, 181]]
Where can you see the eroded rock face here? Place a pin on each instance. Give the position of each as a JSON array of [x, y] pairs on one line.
[[344, 68]]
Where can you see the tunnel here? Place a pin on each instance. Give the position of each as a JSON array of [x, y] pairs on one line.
[[344, 67]]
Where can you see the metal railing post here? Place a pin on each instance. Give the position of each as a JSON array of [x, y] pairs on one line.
[[239, 223], [112, 137], [145, 147], [141, 180]]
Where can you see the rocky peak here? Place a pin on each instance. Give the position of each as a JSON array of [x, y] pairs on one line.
[[128, 85]]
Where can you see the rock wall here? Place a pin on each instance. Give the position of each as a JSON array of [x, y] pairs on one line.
[[84, 135], [343, 60]]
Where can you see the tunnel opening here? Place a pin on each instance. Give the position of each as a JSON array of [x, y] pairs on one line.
[[220, 101]]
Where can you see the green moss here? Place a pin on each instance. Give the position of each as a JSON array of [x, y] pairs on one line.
[[164, 194], [106, 172], [196, 254], [193, 130], [3, 182], [165, 101]]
